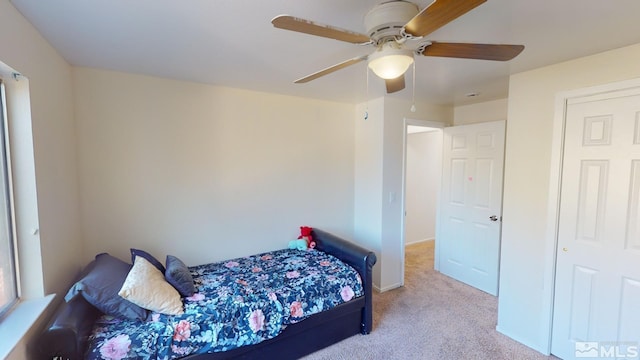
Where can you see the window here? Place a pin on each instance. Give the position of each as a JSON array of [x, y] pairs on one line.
[[8, 282]]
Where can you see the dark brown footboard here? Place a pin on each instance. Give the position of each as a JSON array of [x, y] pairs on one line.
[[360, 259]]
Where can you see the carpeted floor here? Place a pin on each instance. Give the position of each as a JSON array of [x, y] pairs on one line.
[[431, 317]]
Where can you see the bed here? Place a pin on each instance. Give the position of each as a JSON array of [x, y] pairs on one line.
[[72, 326]]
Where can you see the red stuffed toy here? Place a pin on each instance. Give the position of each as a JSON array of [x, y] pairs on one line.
[[305, 233]]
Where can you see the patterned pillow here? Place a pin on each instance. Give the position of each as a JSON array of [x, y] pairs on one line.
[[99, 285], [145, 286], [179, 276]]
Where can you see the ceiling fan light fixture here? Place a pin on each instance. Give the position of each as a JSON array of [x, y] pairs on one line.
[[390, 63]]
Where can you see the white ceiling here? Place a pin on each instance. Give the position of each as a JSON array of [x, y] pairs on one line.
[[232, 42]]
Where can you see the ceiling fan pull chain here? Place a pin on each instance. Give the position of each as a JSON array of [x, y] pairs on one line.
[[413, 97], [366, 106]]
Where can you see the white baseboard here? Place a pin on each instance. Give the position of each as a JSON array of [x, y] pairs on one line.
[[386, 288], [419, 241]]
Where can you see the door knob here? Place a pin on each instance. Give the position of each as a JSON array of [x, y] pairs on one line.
[[493, 218]]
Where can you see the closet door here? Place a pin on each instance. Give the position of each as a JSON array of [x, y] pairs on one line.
[[597, 289]]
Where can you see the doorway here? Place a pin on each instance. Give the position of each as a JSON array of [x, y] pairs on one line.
[[423, 174], [468, 197], [422, 178]]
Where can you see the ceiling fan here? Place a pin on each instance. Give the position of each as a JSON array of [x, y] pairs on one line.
[[392, 28]]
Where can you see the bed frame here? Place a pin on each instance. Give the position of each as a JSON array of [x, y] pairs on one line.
[[66, 335]]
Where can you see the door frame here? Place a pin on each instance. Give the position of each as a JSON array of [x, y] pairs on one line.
[[424, 123], [555, 186]]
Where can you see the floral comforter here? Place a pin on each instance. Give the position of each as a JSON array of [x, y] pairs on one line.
[[237, 302]]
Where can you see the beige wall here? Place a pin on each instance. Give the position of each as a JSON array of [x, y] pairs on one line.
[[525, 268], [207, 173], [23, 48], [395, 111], [368, 179], [480, 112], [379, 156], [52, 123]]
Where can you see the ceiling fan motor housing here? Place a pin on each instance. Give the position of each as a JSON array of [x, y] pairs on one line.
[[387, 19]]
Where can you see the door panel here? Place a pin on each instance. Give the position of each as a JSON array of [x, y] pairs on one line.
[[582, 306], [597, 288], [629, 316], [457, 183], [592, 193], [469, 242]]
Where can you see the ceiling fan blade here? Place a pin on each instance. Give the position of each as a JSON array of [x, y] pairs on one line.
[[394, 85], [438, 14], [309, 27], [330, 69], [473, 51]]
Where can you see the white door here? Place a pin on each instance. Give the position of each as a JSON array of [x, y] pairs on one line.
[[470, 212], [597, 292]]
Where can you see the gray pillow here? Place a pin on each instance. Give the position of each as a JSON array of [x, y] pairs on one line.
[[179, 276], [100, 285]]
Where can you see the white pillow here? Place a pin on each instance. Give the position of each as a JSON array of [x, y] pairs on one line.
[[146, 287]]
